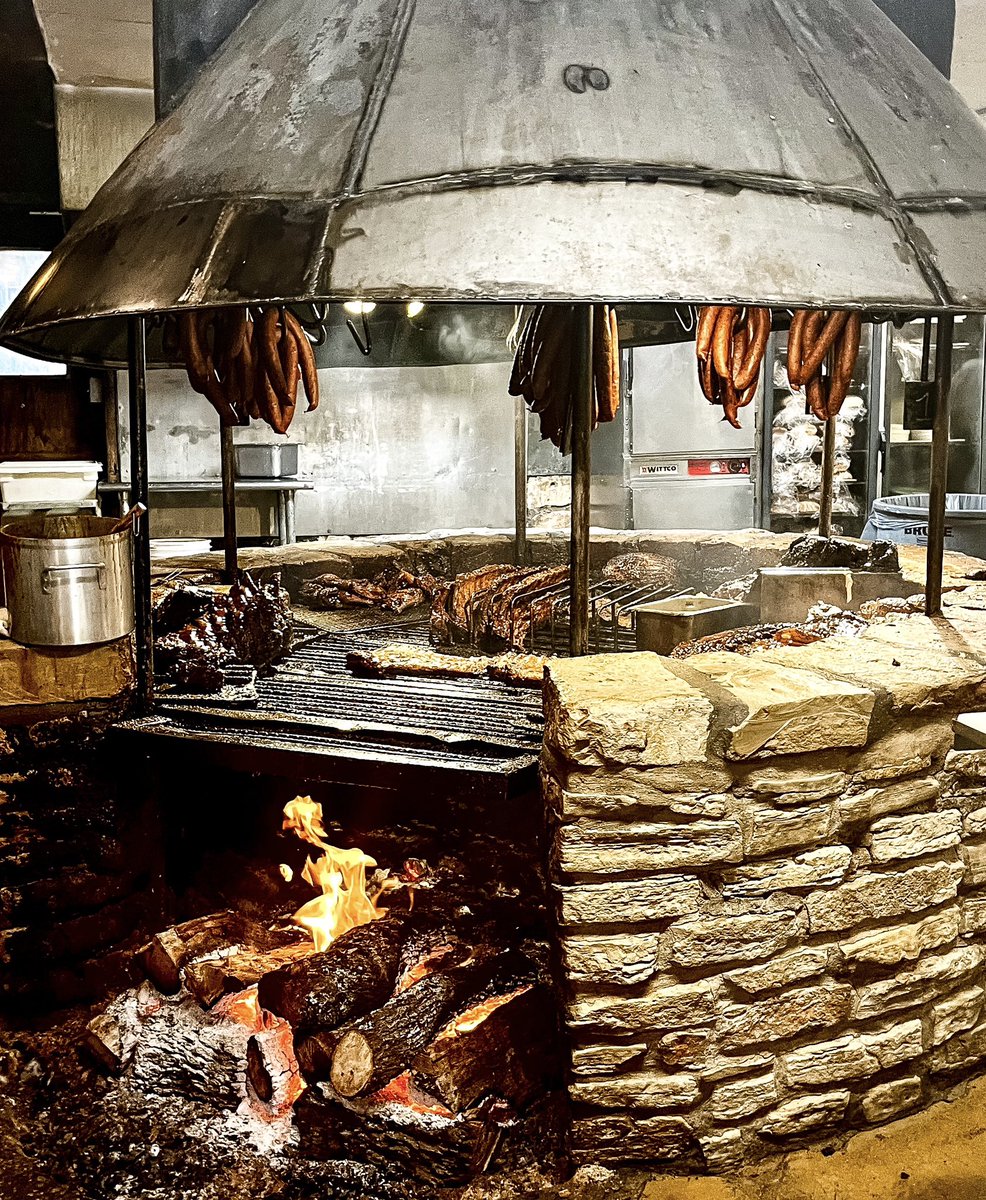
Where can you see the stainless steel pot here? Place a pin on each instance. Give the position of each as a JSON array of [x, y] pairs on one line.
[[72, 589]]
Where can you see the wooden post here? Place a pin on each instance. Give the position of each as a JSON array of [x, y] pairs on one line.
[[520, 481], [137, 380], [827, 490], [938, 488], [229, 500], [578, 636]]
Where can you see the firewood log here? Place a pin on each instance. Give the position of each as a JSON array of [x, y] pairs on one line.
[[513, 1053], [210, 978], [270, 1062], [379, 1047], [163, 958], [108, 1043], [355, 975]]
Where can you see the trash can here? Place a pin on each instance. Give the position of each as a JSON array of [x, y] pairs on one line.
[[904, 520]]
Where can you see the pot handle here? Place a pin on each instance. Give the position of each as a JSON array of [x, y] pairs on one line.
[[99, 568]]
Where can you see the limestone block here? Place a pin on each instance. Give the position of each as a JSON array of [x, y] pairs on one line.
[[631, 1138], [778, 1017], [836, 1061], [671, 1007], [912, 747], [769, 830], [628, 901], [742, 1098], [788, 711], [974, 914], [815, 868], [606, 1059], [806, 785], [688, 1049], [37, 676], [956, 1014], [900, 942], [974, 857], [895, 1045], [653, 787], [967, 767], [642, 1090], [930, 976], [877, 802], [636, 807], [614, 959], [974, 824], [624, 708], [787, 593], [871, 897], [721, 938], [888, 1100], [806, 1113], [792, 967], [912, 675], [722, 1151], [914, 835], [962, 1053], [599, 847], [719, 1067]]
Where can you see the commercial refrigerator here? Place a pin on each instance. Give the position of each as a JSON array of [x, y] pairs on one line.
[[686, 468]]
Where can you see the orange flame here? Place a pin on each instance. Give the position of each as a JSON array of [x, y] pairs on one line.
[[340, 875], [402, 1091], [244, 1008]]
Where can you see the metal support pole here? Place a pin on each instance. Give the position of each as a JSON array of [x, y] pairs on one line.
[[520, 481], [578, 636], [938, 488], [827, 490], [229, 500], [137, 380]]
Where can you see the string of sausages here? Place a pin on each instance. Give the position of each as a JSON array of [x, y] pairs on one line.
[[545, 372], [822, 348], [730, 342], [246, 362]]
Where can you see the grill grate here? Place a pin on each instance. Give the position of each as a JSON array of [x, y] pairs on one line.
[[314, 695]]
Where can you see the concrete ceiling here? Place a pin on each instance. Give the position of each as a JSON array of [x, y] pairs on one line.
[[98, 42]]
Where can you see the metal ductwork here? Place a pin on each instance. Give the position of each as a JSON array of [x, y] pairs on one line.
[[768, 151]]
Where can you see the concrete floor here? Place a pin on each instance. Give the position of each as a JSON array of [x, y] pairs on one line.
[[939, 1154]]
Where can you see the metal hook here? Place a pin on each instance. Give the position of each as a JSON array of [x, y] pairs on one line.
[[314, 326], [689, 325], [365, 344]]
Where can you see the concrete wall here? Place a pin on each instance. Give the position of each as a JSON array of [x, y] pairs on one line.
[[969, 53], [398, 450]]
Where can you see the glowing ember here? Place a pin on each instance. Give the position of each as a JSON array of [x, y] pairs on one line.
[[475, 1016], [402, 1091], [424, 966], [340, 876], [243, 1007]]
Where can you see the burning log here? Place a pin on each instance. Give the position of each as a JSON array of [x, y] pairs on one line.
[[379, 1047], [355, 975], [108, 1042], [167, 953], [506, 1047], [271, 1066], [210, 978]]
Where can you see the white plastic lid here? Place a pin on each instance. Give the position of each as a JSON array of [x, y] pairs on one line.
[[63, 467]]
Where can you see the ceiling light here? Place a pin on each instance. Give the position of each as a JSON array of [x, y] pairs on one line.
[[358, 308], [414, 307]]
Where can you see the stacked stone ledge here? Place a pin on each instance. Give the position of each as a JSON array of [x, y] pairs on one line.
[[770, 875]]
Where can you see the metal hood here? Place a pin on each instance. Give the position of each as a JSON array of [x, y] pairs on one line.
[[783, 152]]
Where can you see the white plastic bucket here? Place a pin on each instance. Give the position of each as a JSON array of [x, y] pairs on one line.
[[904, 520]]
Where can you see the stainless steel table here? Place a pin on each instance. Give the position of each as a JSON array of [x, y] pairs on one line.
[[284, 491]]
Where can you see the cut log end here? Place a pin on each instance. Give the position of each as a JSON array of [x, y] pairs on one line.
[[258, 1071], [352, 1064]]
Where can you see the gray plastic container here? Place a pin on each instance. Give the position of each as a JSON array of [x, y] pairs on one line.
[[268, 460], [904, 520]]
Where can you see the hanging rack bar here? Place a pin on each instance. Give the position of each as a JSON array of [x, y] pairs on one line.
[[229, 500], [827, 490], [520, 481], [581, 480], [137, 380], [938, 488]]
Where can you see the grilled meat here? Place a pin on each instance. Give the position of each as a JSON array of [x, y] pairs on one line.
[[393, 590], [638, 567], [521, 670], [249, 623], [495, 604], [397, 658]]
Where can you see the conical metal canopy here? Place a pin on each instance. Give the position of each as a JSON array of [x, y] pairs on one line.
[[779, 151]]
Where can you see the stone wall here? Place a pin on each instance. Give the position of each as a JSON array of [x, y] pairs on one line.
[[770, 875]]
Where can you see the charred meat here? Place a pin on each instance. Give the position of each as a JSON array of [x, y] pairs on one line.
[[496, 605], [199, 632], [393, 590]]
